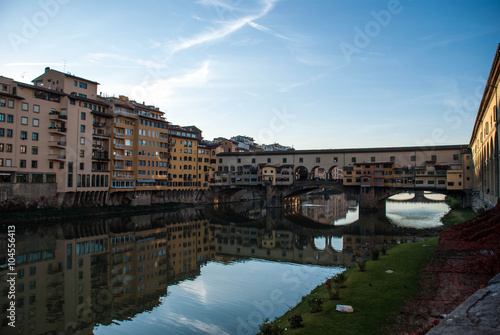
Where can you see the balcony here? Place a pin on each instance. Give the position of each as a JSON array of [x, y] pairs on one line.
[[119, 135], [120, 112], [98, 124], [57, 157], [57, 129], [57, 144], [119, 167], [100, 133], [118, 145], [123, 176], [117, 156], [100, 155]]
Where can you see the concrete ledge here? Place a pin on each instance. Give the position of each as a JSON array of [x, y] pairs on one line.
[[480, 314]]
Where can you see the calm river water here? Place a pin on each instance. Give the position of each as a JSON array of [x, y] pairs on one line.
[[217, 270]]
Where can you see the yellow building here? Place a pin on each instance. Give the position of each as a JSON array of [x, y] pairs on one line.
[[484, 140]]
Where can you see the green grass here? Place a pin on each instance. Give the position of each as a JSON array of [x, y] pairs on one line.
[[457, 213], [375, 295]]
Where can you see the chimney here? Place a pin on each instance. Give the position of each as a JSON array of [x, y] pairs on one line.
[[47, 69]]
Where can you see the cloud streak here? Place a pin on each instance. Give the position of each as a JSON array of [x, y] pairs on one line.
[[224, 30]]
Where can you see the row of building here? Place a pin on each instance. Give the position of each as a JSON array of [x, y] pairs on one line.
[[64, 144]]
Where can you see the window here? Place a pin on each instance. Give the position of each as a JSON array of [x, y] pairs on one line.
[[23, 149], [36, 109], [24, 135], [284, 160], [34, 164], [318, 160], [24, 120], [82, 166], [34, 150], [2, 102], [4, 88], [22, 163], [1, 147], [11, 104], [301, 160], [35, 137], [83, 85], [82, 128], [353, 160], [9, 148], [82, 140], [2, 117], [455, 157], [10, 118], [393, 159], [36, 122], [269, 160], [75, 83], [434, 158], [412, 158], [2, 132], [83, 116], [372, 159], [9, 132], [25, 106], [253, 160], [82, 153]]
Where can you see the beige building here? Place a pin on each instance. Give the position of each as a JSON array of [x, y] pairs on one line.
[[46, 152], [484, 140]]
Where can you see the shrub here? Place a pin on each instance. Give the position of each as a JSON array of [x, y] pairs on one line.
[[316, 304], [362, 265], [270, 328], [375, 254], [295, 321]]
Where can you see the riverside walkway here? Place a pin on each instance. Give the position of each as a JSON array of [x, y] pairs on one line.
[[480, 314]]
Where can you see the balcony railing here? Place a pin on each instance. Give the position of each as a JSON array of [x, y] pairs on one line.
[[119, 135], [57, 143], [118, 145], [100, 155], [57, 156], [119, 167], [58, 129]]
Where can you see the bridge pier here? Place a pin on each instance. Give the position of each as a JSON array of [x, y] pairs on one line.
[[372, 198]]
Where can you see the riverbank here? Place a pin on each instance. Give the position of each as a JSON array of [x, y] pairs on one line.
[[398, 302], [58, 215]]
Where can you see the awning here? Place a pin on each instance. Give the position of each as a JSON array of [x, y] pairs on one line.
[[146, 181]]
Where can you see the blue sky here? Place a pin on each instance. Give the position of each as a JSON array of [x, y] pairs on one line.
[[312, 74]]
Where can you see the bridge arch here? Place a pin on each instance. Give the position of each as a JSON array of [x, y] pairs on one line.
[[317, 173], [333, 173], [301, 173]]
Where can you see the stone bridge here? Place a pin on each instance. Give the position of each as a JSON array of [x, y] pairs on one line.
[[369, 198]]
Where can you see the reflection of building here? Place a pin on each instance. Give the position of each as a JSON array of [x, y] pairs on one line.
[[73, 277], [325, 211]]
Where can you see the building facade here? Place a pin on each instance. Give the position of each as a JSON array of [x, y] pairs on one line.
[[484, 141]]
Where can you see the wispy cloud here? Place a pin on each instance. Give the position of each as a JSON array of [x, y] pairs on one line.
[[226, 28], [267, 30], [157, 88]]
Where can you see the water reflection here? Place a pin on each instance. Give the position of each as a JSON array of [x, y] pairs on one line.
[[216, 270]]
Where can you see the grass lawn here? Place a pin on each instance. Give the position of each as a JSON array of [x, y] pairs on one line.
[[374, 294], [458, 215]]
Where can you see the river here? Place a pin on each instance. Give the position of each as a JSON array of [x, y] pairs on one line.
[[216, 270]]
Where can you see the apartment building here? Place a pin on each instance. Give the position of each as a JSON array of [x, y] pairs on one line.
[[46, 151], [140, 151]]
